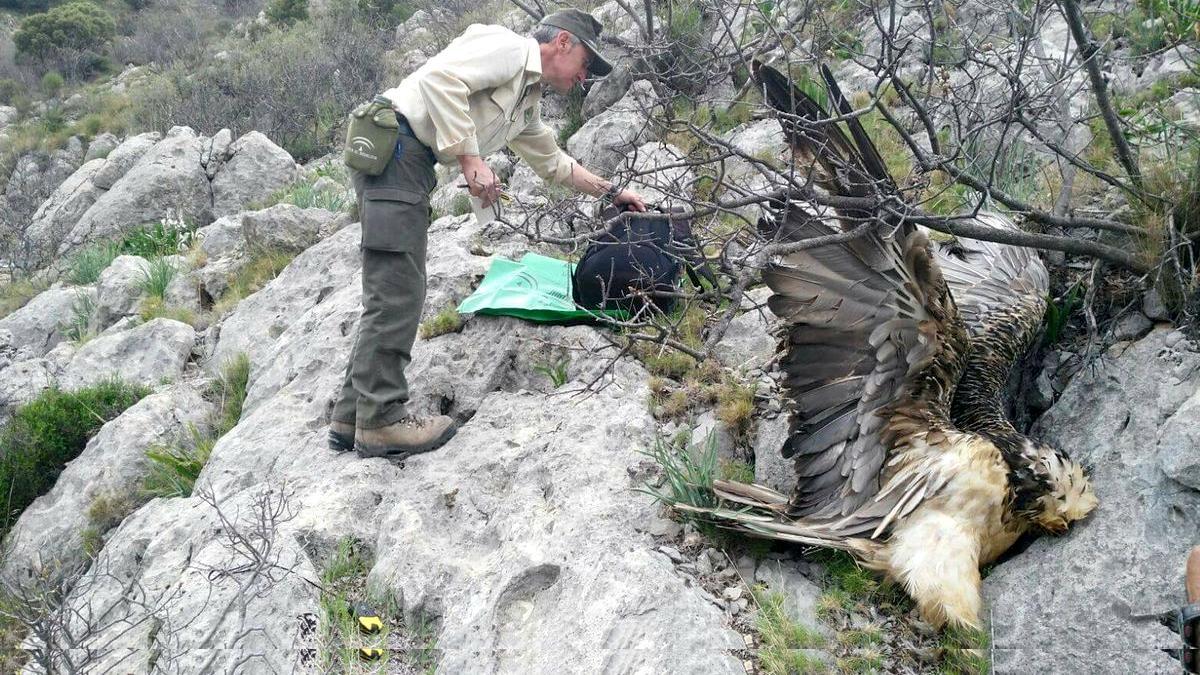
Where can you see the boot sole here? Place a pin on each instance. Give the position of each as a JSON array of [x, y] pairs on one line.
[[340, 442], [397, 453]]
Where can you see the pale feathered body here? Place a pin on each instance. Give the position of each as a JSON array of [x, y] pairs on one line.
[[896, 356]]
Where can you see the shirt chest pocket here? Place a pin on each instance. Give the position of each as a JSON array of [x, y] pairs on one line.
[[491, 121]]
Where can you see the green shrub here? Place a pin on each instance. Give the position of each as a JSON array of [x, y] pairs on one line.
[[574, 115], [52, 83], [11, 91], [76, 26], [157, 277], [50, 431], [287, 12], [25, 5], [387, 12], [294, 84], [87, 265]]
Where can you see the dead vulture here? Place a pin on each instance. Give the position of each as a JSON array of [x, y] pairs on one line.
[[895, 356]]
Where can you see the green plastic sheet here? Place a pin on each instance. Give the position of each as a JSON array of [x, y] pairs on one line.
[[535, 288]]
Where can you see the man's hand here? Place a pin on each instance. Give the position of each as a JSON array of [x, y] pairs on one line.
[[631, 199], [482, 182]]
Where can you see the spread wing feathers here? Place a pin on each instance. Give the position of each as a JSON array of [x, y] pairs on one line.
[[1000, 291], [988, 279], [847, 166], [864, 345]]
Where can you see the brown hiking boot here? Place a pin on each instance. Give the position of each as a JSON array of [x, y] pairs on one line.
[[409, 436], [341, 436]]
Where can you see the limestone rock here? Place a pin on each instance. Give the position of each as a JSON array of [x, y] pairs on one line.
[[604, 140], [222, 238], [62, 209], [1132, 326], [124, 157], [149, 354], [665, 187], [749, 343], [800, 594], [1179, 444], [770, 466], [38, 325], [607, 91], [256, 169], [101, 147], [22, 382], [167, 182], [283, 227], [308, 281], [1127, 558], [120, 289]]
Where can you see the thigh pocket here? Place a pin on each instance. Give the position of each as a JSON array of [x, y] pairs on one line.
[[395, 219]]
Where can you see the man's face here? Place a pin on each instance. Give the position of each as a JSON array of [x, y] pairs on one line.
[[569, 66]]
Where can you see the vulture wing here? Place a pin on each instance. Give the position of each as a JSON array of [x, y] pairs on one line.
[[1000, 291], [872, 346]]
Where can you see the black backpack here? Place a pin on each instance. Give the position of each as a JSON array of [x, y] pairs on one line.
[[635, 260]]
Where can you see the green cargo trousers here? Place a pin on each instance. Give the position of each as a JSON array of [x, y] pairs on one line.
[[395, 215]]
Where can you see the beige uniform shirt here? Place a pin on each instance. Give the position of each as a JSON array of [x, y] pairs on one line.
[[480, 93]]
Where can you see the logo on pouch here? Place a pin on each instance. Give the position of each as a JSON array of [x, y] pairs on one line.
[[363, 146]]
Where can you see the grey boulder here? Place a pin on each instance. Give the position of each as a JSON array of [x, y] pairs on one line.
[[1079, 603], [149, 354]]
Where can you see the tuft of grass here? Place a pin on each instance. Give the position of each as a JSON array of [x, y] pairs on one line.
[[965, 651], [737, 471], [304, 196], [81, 326], [157, 308], [155, 240], [264, 266], [556, 371], [174, 468], [460, 205], [446, 321], [86, 266], [783, 638], [868, 660], [343, 588], [106, 511], [688, 476], [50, 431], [229, 391], [1058, 313], [157, 277], [735, 406]]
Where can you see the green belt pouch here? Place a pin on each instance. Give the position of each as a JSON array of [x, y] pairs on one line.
[[371, 136]]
